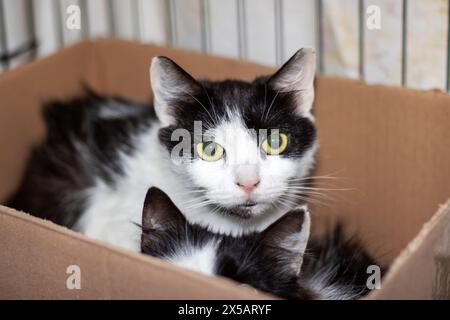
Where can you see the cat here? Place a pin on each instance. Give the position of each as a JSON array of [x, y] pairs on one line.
[[280, 260], [246, 164]]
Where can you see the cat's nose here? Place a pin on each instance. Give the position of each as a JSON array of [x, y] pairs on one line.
[[247, 177], [248, 186]]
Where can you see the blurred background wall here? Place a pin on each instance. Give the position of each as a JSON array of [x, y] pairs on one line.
[[409, 48]]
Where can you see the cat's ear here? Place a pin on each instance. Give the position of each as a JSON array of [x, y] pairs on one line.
[[287, 238], [297, 77], [160, 213], [170, 83]]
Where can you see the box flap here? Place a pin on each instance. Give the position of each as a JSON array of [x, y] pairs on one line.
[[422, 271], [35, 256], [387, 148]]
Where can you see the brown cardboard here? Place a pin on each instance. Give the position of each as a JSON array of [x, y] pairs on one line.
[[421, 270], [387, 146], [34, 263]]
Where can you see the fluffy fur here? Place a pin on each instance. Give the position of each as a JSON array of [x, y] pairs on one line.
[[101, 154]]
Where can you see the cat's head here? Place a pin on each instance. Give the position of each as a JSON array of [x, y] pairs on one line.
[[246, 147], [270, 260]]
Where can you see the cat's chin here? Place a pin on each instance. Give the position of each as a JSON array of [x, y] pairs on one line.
[[235, 221], [247, 210]]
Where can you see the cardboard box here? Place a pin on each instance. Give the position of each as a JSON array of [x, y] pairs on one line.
[[389, 145]]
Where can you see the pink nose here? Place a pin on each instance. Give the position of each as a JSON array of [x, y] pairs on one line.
[[248, 186]]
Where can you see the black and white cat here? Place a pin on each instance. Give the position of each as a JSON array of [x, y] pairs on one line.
[[281, 260], [251, 147]]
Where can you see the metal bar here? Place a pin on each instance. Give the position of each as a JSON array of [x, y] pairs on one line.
[[319, 35], [31, 29], [85, 28], [448, 47], [137, 30], [3, 35], [242, 28], [29, 47], [404, 41], [26, 48], [279, 32], [57, 11], [361, 35], [172, 28], [111, 18], [205, 19]]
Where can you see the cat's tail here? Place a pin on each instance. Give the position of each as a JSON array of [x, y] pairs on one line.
[[336, 266]]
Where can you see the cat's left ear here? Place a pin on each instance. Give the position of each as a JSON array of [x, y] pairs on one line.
[[287, 238], [160, 213], [170, 83], [297, 77]]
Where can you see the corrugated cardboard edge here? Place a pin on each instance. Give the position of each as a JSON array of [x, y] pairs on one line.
[[221, 287], [399, 282]]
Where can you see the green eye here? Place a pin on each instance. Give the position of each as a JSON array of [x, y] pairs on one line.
[[210, 151], [275, 144]]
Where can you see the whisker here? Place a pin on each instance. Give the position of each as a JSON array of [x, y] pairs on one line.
[[201, 105], [319, 189], [305, 199], [210, 103], [270, 107], [199, 205]]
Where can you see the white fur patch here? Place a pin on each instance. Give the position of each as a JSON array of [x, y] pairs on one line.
[[197, 259], [334, 292], [320, 284]]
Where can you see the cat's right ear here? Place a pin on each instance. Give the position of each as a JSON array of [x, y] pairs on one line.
[[170, 83], [160, 213], [296, 76]]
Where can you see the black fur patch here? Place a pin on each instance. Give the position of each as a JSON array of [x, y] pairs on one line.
[[83, 139]]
